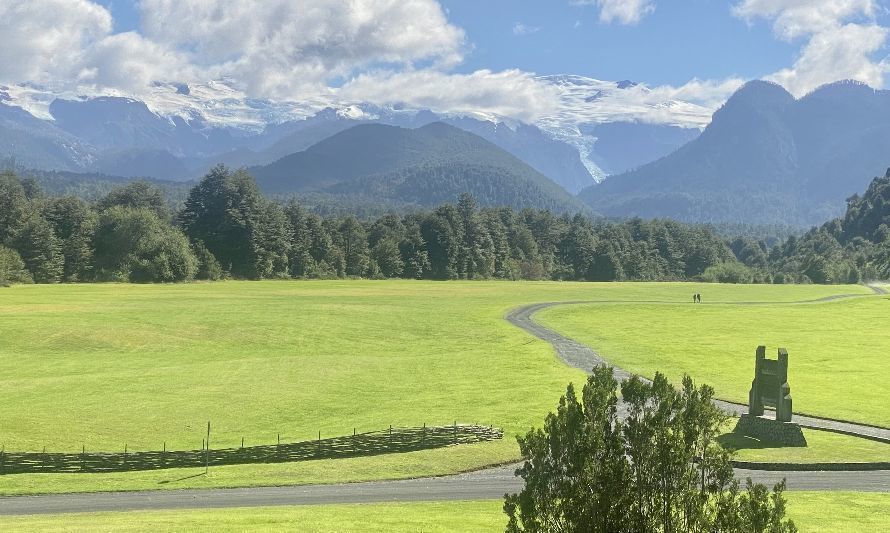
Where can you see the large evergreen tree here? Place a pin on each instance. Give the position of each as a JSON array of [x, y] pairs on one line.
[[40, 249], [658, 469], [227, 212]]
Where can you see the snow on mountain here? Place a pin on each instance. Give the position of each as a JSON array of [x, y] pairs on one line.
[[201, 120], [587, 102]]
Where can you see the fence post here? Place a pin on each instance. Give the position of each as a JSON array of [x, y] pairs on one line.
[[423, 435], [353, 441], [207, 452], [242, 443], [455, 432], [2, 450], [83, 454], [125, 456], [390, 436]]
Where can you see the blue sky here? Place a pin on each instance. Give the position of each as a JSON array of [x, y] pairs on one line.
[[679, 41], [480, 56]]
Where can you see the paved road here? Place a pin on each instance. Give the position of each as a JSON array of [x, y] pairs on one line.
[[492, 483], [485, 484]]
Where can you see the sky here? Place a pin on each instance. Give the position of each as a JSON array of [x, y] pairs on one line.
[[443, 54]]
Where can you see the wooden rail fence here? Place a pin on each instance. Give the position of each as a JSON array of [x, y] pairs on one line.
[[392, 440]]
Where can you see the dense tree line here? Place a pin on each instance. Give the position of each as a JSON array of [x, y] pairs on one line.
[[226, 227], [659, 468], [851, 249]]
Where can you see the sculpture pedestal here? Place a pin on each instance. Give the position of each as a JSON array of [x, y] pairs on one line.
[[770, 431]]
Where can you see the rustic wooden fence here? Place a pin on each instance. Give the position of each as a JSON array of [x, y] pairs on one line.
[[392, 440]]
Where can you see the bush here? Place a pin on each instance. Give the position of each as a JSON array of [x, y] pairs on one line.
[[208, 267], [135, 245], [728, 273], [12, 268]]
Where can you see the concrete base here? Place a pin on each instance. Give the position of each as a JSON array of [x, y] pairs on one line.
[[770, 431]]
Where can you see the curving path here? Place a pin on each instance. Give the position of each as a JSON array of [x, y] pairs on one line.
[[490, 483], [582, 357]]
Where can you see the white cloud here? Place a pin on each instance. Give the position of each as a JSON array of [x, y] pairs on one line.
[[44, 40], [621, 11], [839, 53], [841, 36], [130, 63], [709, 94], [274, 47], [510, 93], [520, 29], [797, 18]]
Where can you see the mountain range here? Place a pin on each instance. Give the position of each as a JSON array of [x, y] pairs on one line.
[[765, 158], [178, 131]]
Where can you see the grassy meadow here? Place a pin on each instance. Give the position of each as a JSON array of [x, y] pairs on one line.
[[814, 512], [108, 365], [822, 447], [837, 350]]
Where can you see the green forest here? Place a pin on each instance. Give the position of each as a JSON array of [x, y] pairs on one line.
[[226, 228]]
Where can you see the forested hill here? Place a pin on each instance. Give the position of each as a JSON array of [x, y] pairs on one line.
[[849, 249], [766, 158], [868, 216], [415, 167]]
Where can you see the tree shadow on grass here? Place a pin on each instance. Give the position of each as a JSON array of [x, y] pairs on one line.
[[166, 481], [736, 441]]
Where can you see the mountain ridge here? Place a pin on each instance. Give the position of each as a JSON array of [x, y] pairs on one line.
[[765, 157], [421, 166]]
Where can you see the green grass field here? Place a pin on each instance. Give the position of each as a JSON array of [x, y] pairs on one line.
[[812, 512], [822, 447], [109, 365], [837, 349]]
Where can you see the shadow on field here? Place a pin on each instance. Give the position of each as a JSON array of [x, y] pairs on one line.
[[393, 440], [737, 441], [166, 481]]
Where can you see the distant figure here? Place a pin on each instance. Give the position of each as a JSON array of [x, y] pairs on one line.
[[695, 298], [698, 297]]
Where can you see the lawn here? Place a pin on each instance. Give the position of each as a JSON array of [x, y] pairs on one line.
[[811, 511], [838, 350], [822, 447], [104, 366]]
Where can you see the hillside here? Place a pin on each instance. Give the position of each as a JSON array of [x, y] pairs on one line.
[[765, 158], [423, 166], [847, 249]]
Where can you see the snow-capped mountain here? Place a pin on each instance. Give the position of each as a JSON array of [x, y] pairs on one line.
[[178, 130], [586, 103]]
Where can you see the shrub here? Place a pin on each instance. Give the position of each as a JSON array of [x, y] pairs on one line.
[[12, 268], [728, 273]]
